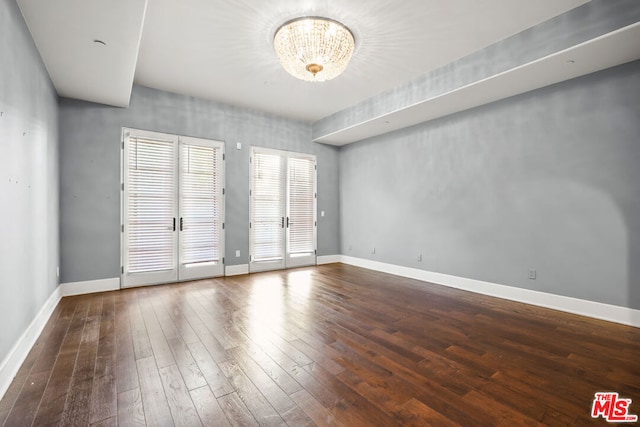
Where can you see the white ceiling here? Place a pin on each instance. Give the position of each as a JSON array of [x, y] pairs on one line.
[[64, 32], [221, 49]]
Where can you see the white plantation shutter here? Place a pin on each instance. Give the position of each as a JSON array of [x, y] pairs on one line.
[[200, 204], [301, 206], [150, 205], [267, 207], [173, 208], [283, 206]]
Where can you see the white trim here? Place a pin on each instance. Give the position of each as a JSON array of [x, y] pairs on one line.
[[611, 313], [14, 360], [89, 287], [16, 356], [236, 270], [328, 259]]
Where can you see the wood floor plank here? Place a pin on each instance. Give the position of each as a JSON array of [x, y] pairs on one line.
[[352, 408], [255, 401], [55, 336], [166, 323], [281, 402], [45, 349], [501, 413], [323, 357], [77, 408], [141, 342], [104, 394], [125, 354], [154, 400], [213, 325], [192, 375], [175, 303], [214, 348], [416, 413], [107, 339], [285, 360], [320, 415], [53, 401], [236, 411], [178, 398], [326, 345], [160, 346], [285, 347], [24, 409], [104, 399], [208, 407], [130, 408], [212, 373], [109, 422], [273, 369]]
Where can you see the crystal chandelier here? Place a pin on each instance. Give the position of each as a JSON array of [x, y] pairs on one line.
[[314, 49]]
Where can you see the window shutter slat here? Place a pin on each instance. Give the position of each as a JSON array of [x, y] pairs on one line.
[[200, 201], [151, 205], [267, 207], [301, 206]]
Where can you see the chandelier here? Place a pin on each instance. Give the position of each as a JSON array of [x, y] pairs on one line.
[[314, 49]]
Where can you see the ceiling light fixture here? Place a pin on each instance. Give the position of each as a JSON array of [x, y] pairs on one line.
[[314, 49]]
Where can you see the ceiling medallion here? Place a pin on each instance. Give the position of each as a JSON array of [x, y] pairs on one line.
[[314, 49]]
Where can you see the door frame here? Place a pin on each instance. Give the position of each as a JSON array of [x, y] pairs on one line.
[[258, 266], [173, 275], [286, 261], [199, 272]]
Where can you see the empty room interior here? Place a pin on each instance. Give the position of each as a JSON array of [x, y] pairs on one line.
[[319, 213]]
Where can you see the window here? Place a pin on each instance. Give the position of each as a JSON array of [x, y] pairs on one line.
[[173, 208], [283, 210]]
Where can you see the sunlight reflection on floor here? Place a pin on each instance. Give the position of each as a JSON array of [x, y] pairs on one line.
[[270, 298]]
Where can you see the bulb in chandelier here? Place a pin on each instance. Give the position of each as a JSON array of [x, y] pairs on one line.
[[314, 49]]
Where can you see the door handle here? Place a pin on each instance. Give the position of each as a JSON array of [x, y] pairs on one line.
[[287, 222], [174, 224], [282, 226], [181, 223]]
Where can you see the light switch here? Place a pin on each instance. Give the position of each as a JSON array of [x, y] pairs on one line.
[[238, 253], [321, 213]]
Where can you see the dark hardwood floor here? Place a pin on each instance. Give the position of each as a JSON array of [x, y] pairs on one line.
[[329, 345]]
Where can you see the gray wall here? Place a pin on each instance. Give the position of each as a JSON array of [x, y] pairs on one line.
[[548, 180], [28, 179], [90, 172]]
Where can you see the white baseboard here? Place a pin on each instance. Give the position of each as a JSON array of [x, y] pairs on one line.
[[89, 286], [328, 259], [236, 270], [612, 313], [14, 360]]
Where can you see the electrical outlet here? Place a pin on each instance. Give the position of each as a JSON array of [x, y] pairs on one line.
[[238, 253], [532, 274], [419, 257], [58, 272], [238, 145], [373, 251]]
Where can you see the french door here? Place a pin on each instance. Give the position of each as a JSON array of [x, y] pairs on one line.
[[283, 203], [173, 208]]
